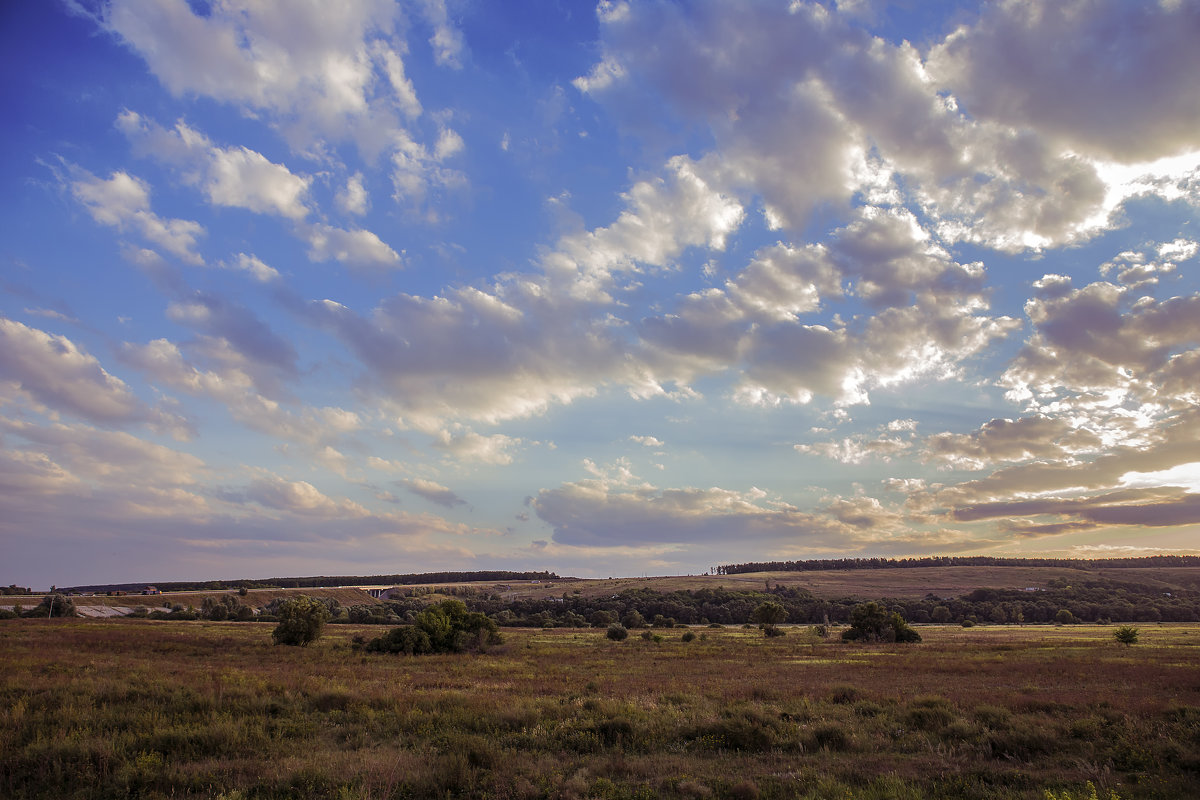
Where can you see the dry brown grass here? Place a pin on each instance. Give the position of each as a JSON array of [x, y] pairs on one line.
[[193, 709]]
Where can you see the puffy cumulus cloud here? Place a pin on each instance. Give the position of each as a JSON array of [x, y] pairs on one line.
[[1137, 269], [123, 202], [356, 247], [433, 492], [783, 282], [1101, 344], [299, 497], [930, 317], [1006, 440], [469, 446], [662, 217], [353, 197], [240, 177], [311, 65], [59, 377], [646, 441], [807, 110], [243, 178], [475, 354], [316, 73], [1101, 76], [255, 267]]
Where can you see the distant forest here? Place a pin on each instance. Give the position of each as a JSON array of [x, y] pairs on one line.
[[322, 581], [953, 561], [1085, 600]]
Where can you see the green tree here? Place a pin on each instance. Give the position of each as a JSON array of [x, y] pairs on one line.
[[301, 620], [633, 619], [1126, 635], [1065, 617], [768, 616], [602, 619], [871, 622]]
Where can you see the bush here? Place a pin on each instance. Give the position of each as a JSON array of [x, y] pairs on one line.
[[53, 605], [829, 736], [687, 636], [1126, 635], [406, 639], [871, 622], [301, 620], [617, 632], [443, 628]]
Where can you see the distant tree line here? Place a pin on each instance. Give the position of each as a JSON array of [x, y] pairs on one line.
[[1090, 600], [320, 581], [953, 561]]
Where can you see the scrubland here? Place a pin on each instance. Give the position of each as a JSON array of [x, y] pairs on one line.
[[134, 708]]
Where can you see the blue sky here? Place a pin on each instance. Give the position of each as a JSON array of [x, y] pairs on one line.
[[634, 288]]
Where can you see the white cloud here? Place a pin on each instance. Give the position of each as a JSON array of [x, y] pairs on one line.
[[260, 271], [646, 441], [353, 199], [447, 41], [60, 377], [299, 497], [236, 177], [308, 64], [469, 446], [242, 178], [357, 247], [794, 127], [123, 202], [232, 382], [433, 492], [662, 217]]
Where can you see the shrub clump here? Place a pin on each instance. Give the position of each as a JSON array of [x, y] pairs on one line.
[[301, 620], [871, 622], [1126, 635], [617, 632], [443, 628]]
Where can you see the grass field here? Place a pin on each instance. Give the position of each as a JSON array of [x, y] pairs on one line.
[[125, 708]]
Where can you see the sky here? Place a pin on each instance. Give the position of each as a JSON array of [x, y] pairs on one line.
[[291, 287]]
